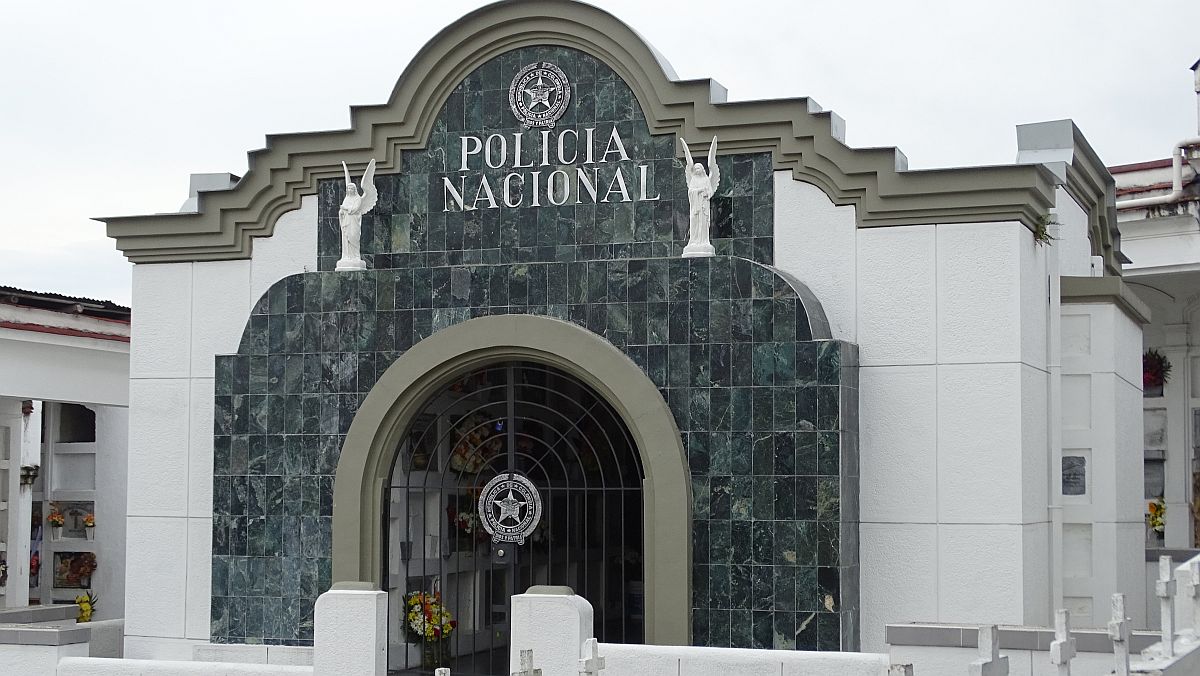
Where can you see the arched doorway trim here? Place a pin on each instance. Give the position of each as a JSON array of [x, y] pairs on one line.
[[365, 463]]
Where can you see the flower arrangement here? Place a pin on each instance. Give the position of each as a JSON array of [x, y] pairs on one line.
[[1156, 370], [1158, 511], [467, 523], [426, 618], [477, 443], [89, 521], [87, 605], [56, 518]]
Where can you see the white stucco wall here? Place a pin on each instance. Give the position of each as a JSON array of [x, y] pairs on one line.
[[49, 367], [951, 321], [1101, 387], [1074, 244], [186, 314]]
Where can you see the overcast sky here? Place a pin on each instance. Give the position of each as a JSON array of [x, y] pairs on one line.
[[106, 107]]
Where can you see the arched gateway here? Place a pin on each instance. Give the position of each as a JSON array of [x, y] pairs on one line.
[[556, 403]]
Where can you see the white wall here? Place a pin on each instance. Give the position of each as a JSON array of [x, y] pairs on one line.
[[1074, 243], [951, 322], [186, 314], [37, 660], [1104, 530], [50, 367], [112, 442]]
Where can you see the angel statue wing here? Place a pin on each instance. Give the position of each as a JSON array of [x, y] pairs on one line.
[[714, 172], [688, 154], [370, 194]]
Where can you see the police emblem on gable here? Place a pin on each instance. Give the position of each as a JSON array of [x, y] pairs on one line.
[[510, 507], [539, 95]]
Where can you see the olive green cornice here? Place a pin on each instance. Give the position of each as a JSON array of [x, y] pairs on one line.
[[1061, 147], [1112, 290], [800, 137]]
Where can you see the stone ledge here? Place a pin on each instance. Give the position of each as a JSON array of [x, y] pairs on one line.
[[31, 614], [1110, 289], [1178, 556], [1011, 637], [44, 634]]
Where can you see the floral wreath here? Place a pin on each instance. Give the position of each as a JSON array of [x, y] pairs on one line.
[[426, 618], [1156, 515], [478, 443]]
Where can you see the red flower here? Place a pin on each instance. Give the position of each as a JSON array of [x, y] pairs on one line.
[[454, 624]]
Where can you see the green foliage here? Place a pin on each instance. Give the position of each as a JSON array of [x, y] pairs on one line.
[[1041, 230]]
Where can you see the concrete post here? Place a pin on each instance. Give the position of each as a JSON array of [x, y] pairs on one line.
[[1062, 648], [1164, 589], [1118, 631], [1194, 585], [552, 622], [350, 631], [990, 662], [19, 545], [592, 663]]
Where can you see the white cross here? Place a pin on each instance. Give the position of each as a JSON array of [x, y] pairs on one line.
[[441, 671], [1062, 648], [900, 670], [591, 663], [1164, 589], [1118, 631], [1194, 581], [990, 663], [527, 665]]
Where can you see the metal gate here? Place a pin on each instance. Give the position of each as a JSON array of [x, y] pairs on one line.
[[449, 583]]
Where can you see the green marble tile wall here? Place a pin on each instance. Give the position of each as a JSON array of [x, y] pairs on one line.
[[410, 226], [768, 416]]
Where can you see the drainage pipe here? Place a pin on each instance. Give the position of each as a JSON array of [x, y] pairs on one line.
[[1176, 179]]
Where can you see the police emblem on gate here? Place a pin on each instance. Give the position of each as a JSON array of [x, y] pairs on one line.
[[510, 507], [539, 95]]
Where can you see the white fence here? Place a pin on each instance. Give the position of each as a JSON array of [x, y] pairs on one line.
[[552, 636], [1032, 650]]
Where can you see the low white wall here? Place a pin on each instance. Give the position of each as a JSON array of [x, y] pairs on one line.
[[97, 666], [942, 661], [36, 660], [106, 638], [253, 654], [639, 660], [557, 627]]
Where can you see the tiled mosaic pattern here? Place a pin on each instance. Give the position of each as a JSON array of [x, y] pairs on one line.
[[767, 415], [409, 227]]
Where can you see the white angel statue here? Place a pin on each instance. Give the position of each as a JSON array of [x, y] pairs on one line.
[[350, 217], [701, 187]]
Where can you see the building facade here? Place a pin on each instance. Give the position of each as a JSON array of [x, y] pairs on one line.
[[63, 434], [855, 412], [1159, 207]]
